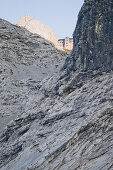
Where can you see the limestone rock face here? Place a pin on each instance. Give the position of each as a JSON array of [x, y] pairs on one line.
[[37, 27], [65, 120], [93, 37], [25, 60]]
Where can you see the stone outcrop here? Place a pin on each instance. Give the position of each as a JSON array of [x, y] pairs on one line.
[[70, 131], [93, 37], [37, 27], [65, 121], [25, 60]]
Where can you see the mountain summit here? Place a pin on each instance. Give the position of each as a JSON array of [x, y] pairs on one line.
[[36, 26]]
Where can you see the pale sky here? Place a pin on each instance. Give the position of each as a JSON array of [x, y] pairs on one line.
[[59, 15]]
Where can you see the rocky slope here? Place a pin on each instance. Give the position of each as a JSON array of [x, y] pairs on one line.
[[67, 123], [25, 59], [37, 27]]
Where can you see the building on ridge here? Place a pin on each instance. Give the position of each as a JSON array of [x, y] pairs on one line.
[[66, 44]]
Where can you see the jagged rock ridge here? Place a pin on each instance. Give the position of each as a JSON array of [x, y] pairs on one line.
[[66, 125], [37, 27]]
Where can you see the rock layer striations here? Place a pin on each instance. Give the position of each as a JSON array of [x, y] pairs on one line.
[[64, 122], [25, 60]]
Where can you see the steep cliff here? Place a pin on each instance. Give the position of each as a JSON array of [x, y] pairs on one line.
[[65, 122], [93, 37]]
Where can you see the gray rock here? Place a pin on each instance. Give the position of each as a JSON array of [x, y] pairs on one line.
[[63, 122], [93, 38], [25, 60], [75, 130]]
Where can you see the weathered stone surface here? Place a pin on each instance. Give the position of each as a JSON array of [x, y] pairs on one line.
[[68, 131], [25, 59], [66, 120], [93, 37]]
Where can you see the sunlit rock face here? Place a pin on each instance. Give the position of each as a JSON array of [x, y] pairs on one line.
[[36, 26], [93, 37]]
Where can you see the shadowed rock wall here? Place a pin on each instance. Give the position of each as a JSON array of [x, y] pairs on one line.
[[93, 37]]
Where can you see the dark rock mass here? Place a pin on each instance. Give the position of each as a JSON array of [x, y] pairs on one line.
[[93, 37], [60, 121]]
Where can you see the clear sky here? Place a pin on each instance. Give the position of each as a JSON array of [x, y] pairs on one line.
[[60, 15]]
